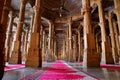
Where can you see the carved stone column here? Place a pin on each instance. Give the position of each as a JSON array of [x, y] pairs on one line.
[[52, 43], [55, 49], [30, 31], [25, 41], [67, 44], [34, 57], [70, 41], [44, 47], [3, 27], [117, 10], [79, 45], [75, 55], [116, 39], [91, 58], [63, 51], [49, 56], [112, 35], [16, 53], [9, 36], [106, 49]]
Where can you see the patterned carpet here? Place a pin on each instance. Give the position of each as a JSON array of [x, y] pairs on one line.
[[58, 71], [12, 67]]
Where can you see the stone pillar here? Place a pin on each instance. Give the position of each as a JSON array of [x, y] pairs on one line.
[[63, 51], [9, 36], [25, 41], [52, 46], [70, 41], [67, 44], [116, 39], [49, 56], [34, 57], [112, 35], [50, 43], [117, 10], [75, 55], [79, 45], [16, 53], [106, 50], [44, 47], [4, 4], [55, 48], [30, 31], [91, 58]]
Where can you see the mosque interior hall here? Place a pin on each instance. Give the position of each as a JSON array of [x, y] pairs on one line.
[[59, 39]]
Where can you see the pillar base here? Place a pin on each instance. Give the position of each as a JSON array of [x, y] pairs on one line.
[[91, 59], [14, 59], [33, 59], [109, 54]]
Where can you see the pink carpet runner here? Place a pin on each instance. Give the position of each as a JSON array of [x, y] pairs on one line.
[[60, 71], [111, 67], [12, 67]]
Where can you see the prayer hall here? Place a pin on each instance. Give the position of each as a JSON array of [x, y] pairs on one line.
[[59, 39]]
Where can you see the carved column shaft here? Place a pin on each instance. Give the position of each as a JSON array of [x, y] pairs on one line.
[[79, 44], [75, 48], [16, 54], [34, 58], [3, 27], [114, 49], [67, 44], [9, 35], [30, 31], [117, 10], [106, 56], [116, 39], [50, 42], [70, 41], [90, 53], [44, 47]]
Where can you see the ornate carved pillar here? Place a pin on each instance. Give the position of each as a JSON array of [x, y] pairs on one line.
[[55, 48], [112, 35], [25, 41], [49, 57], [3, 27], [67, 44], [117, 10], [52, 43], [44, 47], [70, 41], [16, 53], [75, 55], [9, 36], [90, 53], [30, 31], [79, 45], [34, 58], [63, 51], [106, 50], [116, 39]]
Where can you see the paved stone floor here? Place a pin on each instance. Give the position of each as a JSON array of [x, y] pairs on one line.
[[100, 73]]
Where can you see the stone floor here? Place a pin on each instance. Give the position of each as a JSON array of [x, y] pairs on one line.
[[100, 73]]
